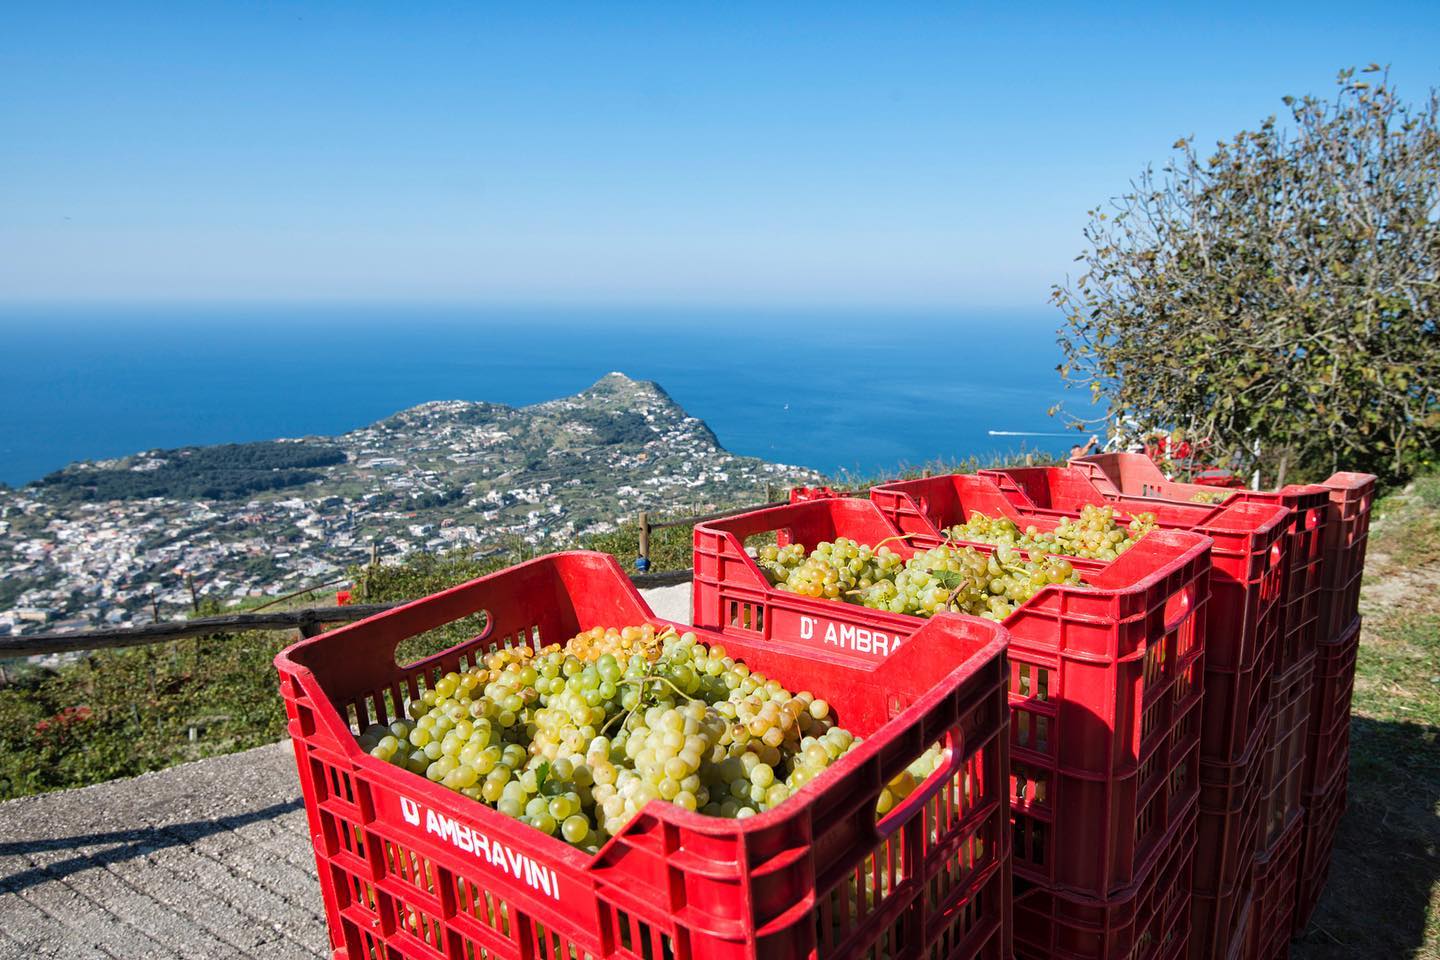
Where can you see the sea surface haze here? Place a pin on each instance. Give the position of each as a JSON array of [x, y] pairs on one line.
[[861, 392]]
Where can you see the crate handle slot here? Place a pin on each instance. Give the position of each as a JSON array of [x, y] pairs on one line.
[[1312, 519], [937, 781], [1177, 608], [484, 633]]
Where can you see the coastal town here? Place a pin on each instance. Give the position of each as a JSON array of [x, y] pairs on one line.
[[442, 476]]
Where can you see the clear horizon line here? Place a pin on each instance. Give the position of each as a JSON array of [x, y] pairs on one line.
[[847, 306]]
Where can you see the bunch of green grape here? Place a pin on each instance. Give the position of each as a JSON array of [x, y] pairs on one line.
[[947, 577], [575, 740], [834, 569], [1094, 535], [1209, 496]]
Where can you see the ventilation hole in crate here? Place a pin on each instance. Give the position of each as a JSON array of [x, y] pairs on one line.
[[351, 837], [362, 893], [963, 921], [470, 950], [1148, 766], [370, 947], [745, 616], [1149, 720], [1184, 684], [419, 924], [550, 945], [1028, 837], [642, 940], [475, 901], [1154, 666], [1022, 728], [340, 785], [955, 872], [410, 867], [1029, 785], [1179, 780], [1145, 823], [1020, 679], [1042, 733]]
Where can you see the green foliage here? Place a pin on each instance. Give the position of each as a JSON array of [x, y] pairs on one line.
[[221, 472], [616, 427], [119, 713], [1282, 291]]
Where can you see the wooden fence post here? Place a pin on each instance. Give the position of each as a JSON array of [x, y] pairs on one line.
[[642, 562], [194, 597]]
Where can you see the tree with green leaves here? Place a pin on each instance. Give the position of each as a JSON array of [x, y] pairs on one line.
[[1279, 294]]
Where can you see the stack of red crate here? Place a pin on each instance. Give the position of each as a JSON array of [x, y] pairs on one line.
[[1242, 623], [1328, 754], [1105, 690], [1325, 558]]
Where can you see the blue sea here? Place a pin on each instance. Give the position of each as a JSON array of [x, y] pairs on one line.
[[838, 390]]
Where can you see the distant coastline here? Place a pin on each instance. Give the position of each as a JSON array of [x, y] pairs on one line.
[[856, 391], [137, 538]]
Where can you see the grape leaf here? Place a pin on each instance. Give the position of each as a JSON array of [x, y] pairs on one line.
[[950, 579]]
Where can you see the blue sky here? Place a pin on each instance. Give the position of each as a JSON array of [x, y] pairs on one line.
[[721, 154]]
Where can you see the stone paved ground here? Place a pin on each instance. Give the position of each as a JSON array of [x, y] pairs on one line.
[[210, 859], [207, 860]]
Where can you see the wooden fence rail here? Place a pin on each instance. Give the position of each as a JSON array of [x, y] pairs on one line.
[[307, 621]]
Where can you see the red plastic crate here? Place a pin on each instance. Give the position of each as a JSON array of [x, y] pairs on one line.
[[1149, 920], [1243, 613], [1105, 681], [925, 507], [1347, 532], [1134, 474], [1276, 879], [1324, 810], [1285, 750], [1328, 749], [409, 868], [1227, 836]]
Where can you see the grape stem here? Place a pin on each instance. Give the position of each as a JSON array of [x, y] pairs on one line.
[[638, 703]]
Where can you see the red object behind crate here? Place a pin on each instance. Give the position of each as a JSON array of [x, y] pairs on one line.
[[1136, 475], [801, 494], [1227, 836], [1242, 616], [1352, 495], [1105, 682], [1148, 920], [409, 868]]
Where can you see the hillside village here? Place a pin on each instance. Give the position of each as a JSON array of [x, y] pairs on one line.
[[440, 476]]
